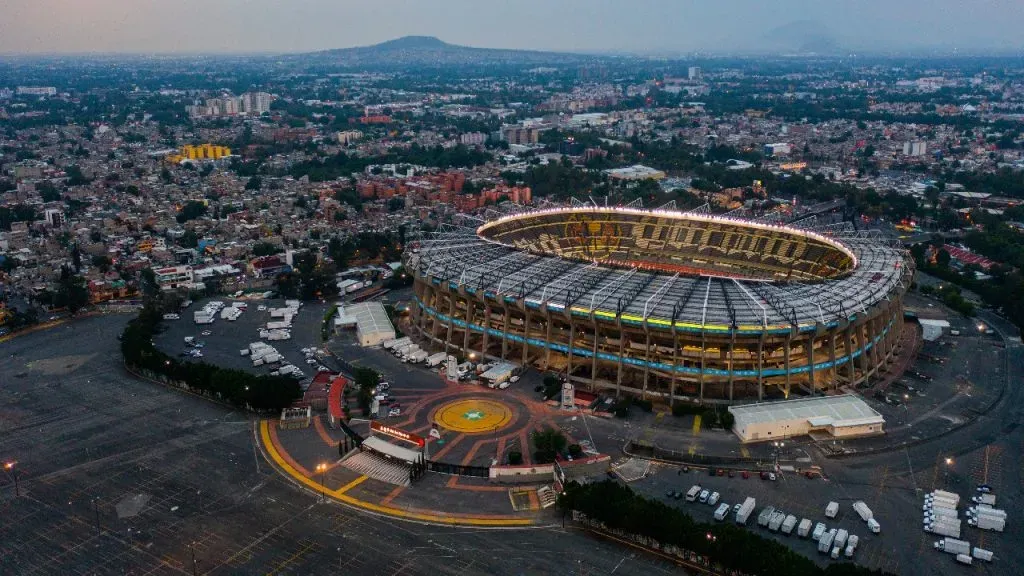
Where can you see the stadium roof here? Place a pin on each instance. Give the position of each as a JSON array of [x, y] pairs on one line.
[[459, 257]]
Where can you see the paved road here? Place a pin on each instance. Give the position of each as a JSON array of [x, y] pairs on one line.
[[119, 476]]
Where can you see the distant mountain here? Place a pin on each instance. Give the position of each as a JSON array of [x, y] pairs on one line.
[[428, 51], [802, 37]]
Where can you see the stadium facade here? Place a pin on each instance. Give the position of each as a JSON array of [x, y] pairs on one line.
[[661, 303]]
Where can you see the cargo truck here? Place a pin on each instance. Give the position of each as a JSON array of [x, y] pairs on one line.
[[417, 356], [986, 511], [819, 531], [953, 546], [862, 510], [775, 521], [851, 545], [743, 514], [988, 523], [825, 543], [986, 499], [832, 510], [964, 559], [804, 529], [982, 554], [435, 359], [840, 539], [788, 524], [874, 526], [946, 494], [765, 516]]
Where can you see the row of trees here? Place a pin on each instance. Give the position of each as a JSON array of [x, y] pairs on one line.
[[730, 546], [253, 392]]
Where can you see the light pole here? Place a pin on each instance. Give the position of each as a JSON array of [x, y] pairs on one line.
[[322, 469], [9, 467], [949, 463], [96, 512], [192, 547]]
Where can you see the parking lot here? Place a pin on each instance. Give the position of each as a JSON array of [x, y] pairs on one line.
[[226, 338]]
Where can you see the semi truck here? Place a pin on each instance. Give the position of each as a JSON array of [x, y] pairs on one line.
[[819, 531], [397, 343], [851, 545], [743, 514], [804, 529], [775, 521], [825, 543], [985, 522], [953, 546], [982, 554], [788, 524], [436, 359], [765, 516], [986, 499], [946, 529], [417, 356], [874, 526], [840, 539], [832, 510], [944, 494], [862, 510]]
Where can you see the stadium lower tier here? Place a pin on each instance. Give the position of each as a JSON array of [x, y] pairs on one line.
[[657, 361]]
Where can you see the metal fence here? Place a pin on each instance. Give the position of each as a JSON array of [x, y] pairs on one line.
[[458, 469]]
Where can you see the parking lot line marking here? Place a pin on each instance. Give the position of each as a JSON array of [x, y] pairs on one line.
[[391, 495], [985, 474], [696, 425], [351, 485], [417, 516]]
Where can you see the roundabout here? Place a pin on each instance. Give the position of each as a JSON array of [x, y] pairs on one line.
[[473, 416]]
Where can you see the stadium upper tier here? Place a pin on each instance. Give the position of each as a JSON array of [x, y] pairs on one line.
[[693, 272], [691, 244]]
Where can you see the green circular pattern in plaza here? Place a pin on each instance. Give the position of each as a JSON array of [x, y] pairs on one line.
[[473, 416]]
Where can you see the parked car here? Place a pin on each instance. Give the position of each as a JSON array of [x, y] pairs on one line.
[[395, 412], [704, 495]]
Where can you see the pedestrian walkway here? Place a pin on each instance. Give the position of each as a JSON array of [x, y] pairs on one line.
[[378, 468]]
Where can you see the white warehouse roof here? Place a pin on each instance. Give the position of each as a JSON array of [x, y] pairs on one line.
[[372, 323], [838, 411]]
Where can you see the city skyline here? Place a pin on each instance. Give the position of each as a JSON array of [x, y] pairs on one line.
[[660, 27]]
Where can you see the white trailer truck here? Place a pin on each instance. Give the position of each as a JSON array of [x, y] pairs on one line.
[[832, 510], [982, 554], [804, 529], [788, 524], [436, 359], [953, 546], [743, 514], [862, 510], [825, 543], [417, 356]]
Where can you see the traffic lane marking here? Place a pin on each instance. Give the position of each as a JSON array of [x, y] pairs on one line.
[[430, 518]]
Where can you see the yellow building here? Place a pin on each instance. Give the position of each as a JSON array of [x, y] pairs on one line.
[[200, 152]]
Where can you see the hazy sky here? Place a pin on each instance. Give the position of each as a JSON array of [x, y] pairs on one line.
[[147, 26]]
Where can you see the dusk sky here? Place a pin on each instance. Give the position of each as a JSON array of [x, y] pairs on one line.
[[718, 26]]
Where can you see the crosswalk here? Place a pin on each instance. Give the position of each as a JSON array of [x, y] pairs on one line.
[[378, 468]]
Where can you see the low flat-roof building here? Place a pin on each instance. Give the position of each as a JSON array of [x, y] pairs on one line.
[[844, 416], [372, 323]]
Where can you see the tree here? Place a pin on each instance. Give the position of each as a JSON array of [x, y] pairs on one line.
[[266, 249], [943, 258], [72, 292], [190, 211], [102, 262], [254, 183], [47, 191], [547, 444], [76, 258]]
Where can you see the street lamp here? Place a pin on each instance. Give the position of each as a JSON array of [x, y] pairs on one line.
[[949, 463], [322, 469], [192, 547], [9, 468]]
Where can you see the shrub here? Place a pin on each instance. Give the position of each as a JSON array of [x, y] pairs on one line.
[[515, 458], [575, 450]]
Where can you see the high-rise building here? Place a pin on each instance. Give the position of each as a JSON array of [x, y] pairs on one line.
[[517, 134], [694, 73], [915, 148]]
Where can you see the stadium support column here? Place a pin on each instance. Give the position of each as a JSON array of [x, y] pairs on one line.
[[487, 328], [622, 352], [703, 355], [832, 358], [850, 360], [647, 363], [675, 365], [810, 359], [451, 319], [572, 338], [505, 317], [526, 336], [470, 308], [547, 337], [593, 351], [760, 367], [732, 353], [786, 350]]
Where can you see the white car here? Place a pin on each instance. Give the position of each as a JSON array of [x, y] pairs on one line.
[[704, 495], [713, 499], [206, 332], [395, 412], [310, 361], [504, 384], [514, 379], [261, 308]]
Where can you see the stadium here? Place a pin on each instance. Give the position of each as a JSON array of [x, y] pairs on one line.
[[665, 304]]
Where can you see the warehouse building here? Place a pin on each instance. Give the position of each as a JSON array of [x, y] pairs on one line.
[[371, 321], [843, 416]]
